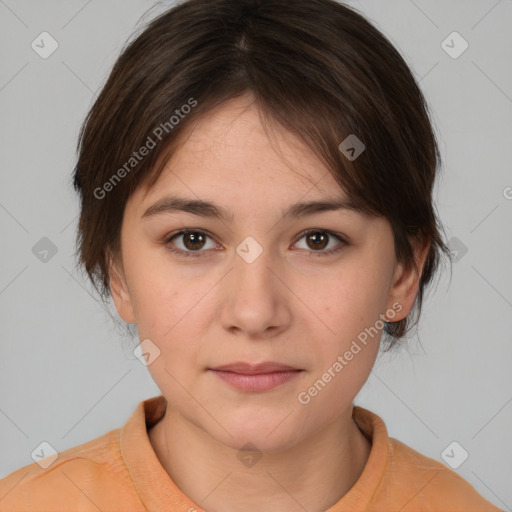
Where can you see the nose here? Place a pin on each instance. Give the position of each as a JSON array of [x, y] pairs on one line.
[[256, 302]]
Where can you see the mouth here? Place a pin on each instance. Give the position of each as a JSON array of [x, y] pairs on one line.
[[256, 377]]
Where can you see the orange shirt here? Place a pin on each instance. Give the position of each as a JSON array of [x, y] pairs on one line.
[[120, 471]]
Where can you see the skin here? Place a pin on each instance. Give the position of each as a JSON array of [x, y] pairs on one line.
[[217, 308]]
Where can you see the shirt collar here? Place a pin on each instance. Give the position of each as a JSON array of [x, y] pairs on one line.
[[157, 490]]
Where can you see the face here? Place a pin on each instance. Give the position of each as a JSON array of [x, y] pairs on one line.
[[255, 285]]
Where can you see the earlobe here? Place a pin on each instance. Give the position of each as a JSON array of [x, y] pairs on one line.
[[406, 281], [120, 293]]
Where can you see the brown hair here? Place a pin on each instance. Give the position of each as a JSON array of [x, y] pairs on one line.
[[317, 67]]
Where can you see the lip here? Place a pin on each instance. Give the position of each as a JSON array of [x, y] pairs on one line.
[[254, 369], [256, 377]]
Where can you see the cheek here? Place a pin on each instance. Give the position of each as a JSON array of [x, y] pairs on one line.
[[164, 308], [160, 294], [350, 304], [174, 314], [344, 358], [353, 298]]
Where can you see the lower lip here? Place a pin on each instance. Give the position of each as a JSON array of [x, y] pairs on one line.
[[256, 382]]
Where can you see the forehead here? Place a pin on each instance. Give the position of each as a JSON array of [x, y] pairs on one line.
[[229, 152]]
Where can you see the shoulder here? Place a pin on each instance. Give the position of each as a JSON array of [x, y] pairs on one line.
[[86, 477], [428, 485], [397, 477]]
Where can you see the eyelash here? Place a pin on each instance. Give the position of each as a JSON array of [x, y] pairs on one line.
[[195, 254]]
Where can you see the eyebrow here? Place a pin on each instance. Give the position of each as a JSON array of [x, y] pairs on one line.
[[173, 204]]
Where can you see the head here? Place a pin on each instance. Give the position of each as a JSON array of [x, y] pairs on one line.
[[255, 108]]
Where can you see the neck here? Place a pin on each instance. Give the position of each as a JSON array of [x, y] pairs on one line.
[[311, 476]]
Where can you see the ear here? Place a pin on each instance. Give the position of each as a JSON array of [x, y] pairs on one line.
[[120, 292], [406, 280]]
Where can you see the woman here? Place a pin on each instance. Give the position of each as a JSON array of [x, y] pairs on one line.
[[256, 196]]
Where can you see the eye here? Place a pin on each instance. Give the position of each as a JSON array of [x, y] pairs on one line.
[[317, 240], [193, 241]]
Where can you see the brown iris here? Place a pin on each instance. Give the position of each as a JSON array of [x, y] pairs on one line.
[[318, 238], [196, 240]]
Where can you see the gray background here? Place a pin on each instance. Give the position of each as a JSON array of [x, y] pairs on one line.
[[67, 375]]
